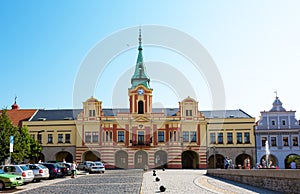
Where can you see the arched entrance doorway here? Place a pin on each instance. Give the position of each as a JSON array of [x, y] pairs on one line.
[[189, 159], [160, 159], [91, 156], [63, 155], [272, 161], [121, 159], [290, 158], [140, 159], [219, 161], [240, 161]]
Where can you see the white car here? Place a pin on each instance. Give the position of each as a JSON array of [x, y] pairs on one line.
[[40, 171], [22, 170], [97, 167]]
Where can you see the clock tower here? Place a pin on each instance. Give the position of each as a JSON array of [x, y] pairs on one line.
[[140, 93]]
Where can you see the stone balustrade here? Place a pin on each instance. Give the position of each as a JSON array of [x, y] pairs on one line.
[[282, 180]]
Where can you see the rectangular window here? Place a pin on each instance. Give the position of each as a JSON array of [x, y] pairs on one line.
[[92, 113], [273, 141], [110, 136], [283, 122], [212, 138], [175, 136], [263, 141], [161, 136], [67, 138], [50, 138], [188, 112], [88, 137], [239, 138], [295, 141], [229, 138], [285, 141], [171, 136], [273, 122], [95, 137], [141, 138], [39, 138], [185, 136], [246, 137], [193, 137], [106, 136], [121, 136], [220, 138], [60, 138]]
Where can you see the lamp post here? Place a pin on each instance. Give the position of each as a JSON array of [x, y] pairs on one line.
[[214, 149]]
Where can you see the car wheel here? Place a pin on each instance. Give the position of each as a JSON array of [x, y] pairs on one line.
[[2, 186]]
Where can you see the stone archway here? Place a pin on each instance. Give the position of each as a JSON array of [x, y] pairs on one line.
[[189, 160], [272, 158], [219, 161], [290, 158], [140, 159], [63, 155], [121, 159], [91, 155], [240, 160], [160, 159]]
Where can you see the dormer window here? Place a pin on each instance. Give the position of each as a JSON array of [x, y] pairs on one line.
[[92, 113], [188, 112], [273, 122]]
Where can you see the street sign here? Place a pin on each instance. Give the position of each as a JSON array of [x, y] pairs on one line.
[[11, 143]]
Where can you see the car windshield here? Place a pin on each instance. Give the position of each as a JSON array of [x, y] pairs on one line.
[[1, 171], [23, 167], [99, 163]]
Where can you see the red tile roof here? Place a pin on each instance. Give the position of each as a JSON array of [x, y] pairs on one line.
[[18, 115]]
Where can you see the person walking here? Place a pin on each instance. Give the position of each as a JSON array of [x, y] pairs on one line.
[[73, 169]]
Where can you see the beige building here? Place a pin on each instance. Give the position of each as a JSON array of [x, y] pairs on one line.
[[140, 136]]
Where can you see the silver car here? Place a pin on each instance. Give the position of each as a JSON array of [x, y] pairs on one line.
[[40, 171], [97, 167], [22, 170]]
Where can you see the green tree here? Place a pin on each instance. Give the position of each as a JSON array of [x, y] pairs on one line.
[[25, 146]]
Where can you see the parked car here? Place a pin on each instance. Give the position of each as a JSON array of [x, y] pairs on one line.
[[54, 170], [97, 167], [63, 169], [67, 166], [9, 180], [40, 171], [85, 165], [21, 170]]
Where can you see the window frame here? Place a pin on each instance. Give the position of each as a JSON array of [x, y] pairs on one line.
[[121, 136]]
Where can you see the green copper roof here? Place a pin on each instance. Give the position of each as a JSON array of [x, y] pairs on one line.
[[140, 76]]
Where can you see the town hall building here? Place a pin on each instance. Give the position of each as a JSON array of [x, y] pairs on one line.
[[141, 136]]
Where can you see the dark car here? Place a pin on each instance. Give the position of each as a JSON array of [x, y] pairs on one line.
[[68, 166], [63, 169], [54, 170]]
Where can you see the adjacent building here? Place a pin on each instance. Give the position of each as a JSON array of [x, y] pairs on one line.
[[277, 132]]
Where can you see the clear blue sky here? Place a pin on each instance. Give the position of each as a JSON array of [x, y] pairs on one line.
[[255, 45]]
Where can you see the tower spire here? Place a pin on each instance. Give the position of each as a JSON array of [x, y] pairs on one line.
[[140, 76]]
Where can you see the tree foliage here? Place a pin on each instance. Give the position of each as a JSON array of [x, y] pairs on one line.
[[25, 146]]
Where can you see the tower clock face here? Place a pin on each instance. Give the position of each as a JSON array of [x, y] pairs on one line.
[[140, 91]]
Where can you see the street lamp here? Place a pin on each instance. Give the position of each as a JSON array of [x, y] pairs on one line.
[[214, 148]]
